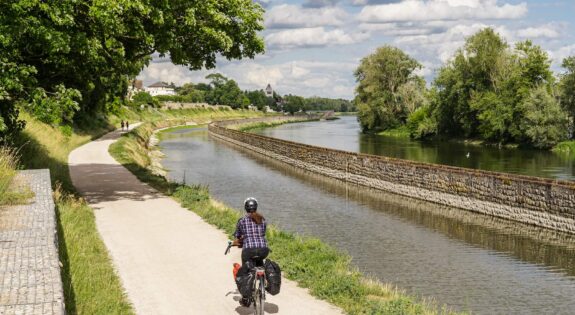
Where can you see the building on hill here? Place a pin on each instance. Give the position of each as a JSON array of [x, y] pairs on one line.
[[135, 87], [269, 91], [160, 88]]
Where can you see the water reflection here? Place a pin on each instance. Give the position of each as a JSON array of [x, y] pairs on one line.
[[345, 134], [525, 242], [466, 260]]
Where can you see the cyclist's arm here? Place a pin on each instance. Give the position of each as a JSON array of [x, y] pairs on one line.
[[238, 233]]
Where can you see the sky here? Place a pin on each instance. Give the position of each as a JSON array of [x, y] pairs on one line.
[[313, 46]]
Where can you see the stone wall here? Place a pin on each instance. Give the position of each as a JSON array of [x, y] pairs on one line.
[[542, 202], [30, 281]]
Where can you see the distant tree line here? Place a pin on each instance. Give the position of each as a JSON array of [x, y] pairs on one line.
[[61, 59], [487, 91], [221, 90]]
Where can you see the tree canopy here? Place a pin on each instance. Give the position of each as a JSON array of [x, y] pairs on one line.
[[81, 53], [488, 90], [385, 80]]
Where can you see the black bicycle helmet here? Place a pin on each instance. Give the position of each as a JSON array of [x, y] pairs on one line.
[[251, 204]]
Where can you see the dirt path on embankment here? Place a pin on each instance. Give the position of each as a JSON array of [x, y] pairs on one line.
[[169, 260]]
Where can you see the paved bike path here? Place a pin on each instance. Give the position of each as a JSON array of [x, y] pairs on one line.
[[169, 260]]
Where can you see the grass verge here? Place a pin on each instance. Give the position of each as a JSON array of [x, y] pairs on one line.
[[400, 132], [565, 147], [91, 285], [326, 272], [11, 192]]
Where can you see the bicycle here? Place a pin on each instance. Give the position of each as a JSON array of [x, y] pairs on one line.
[[258, 296]]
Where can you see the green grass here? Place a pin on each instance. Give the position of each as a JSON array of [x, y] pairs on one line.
[[327, 273], [11, 191], [400, 132], [565, 147], [91, 285], [90, 282]]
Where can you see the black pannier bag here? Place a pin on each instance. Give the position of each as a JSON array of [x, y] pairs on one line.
[[273, 277], [245, 279]]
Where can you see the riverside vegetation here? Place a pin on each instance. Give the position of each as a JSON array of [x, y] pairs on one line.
[[11, 192], [326, 272], [488, 91]]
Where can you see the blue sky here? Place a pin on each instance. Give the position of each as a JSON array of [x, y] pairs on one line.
[[313, 46]]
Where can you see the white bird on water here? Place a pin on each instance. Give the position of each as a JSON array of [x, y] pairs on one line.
[[468, 155]]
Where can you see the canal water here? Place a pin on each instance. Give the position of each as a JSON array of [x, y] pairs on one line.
[[345, 134], [464, 260]]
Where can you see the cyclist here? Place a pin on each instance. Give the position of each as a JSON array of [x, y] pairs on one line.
[[250, 234]]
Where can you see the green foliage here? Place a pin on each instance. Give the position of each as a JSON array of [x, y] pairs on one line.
[[544, 123], [493, 115], [495, 93], [387, 89], [258, 98], [567, 90], [188, 93], [144, 98], [565, 147], [95, 46], [421, 124], [322, 103], [8, 165], [293, 103], [58, 108], [225, 91]]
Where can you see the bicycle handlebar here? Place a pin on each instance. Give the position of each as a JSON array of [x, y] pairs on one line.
[[230, 244]]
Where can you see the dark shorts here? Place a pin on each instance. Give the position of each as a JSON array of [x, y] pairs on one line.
[[249, 253]]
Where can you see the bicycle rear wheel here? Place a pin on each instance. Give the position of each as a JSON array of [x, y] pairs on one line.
[[260, 297]]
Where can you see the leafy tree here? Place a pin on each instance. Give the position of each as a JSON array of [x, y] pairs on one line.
[[225, 91], [544, 122], [144, 98], [421, 124], [293, 103], [482, 91], [567, 90], [257, 98], [95, 46], [476, 68], [190, 93], [58, 108], [380, 77]]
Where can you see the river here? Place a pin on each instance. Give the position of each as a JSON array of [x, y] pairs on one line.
[[464, 260], [344, 134]]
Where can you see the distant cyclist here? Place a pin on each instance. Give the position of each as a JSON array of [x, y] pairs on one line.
[[251, 236]]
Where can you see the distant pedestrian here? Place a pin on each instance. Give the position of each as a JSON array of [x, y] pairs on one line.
[[127, 126], [122, 125]]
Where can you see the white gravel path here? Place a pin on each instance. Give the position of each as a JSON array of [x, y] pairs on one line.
[[169, 260]]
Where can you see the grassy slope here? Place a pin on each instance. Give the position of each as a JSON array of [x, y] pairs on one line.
[[327, 273], [90, 283], [11, 191], [565, 147]]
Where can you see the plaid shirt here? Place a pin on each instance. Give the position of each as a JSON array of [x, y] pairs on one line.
[[254, 235]]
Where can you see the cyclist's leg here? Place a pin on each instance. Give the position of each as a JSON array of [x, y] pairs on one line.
[[247, 254]]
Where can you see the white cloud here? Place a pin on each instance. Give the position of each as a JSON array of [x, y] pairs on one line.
[[544, 31], [431, 10], [306, 78], [559, 54], [312, 37], [293, 16]]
